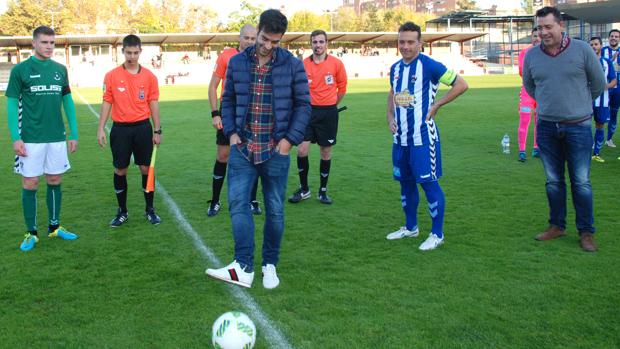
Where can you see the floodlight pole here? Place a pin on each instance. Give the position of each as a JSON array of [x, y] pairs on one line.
[[331, 19], [53, 13]]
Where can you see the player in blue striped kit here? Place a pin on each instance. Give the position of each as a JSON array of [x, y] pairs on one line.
[[416, 153], [601, 104], [612, 52]]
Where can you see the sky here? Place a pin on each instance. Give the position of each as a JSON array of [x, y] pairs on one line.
[[226, 7]]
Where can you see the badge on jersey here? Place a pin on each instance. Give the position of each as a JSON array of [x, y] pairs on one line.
[[56, 76], [141, 94], [404, 99], [329, 79]]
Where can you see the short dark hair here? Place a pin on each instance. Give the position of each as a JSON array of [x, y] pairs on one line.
[[600, 41], [273, 22], [613, 30], [535, 29], [132, 40], [318, 32], [547, 10], [410, 27], [45, 30]]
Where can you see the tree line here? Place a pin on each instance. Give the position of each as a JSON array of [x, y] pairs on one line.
[[175, 16]]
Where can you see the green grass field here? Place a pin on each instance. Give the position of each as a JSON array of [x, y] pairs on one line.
[[343, 285]]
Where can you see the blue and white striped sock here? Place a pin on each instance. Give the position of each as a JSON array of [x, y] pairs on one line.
[[436, 206], [599, 139]]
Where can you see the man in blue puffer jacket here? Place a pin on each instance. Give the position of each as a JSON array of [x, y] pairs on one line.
[[265, 110]]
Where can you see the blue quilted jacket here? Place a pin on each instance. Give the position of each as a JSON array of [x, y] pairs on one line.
[[291, 97]]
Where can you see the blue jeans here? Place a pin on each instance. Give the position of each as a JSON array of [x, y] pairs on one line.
[[241, 176], [561, 145]]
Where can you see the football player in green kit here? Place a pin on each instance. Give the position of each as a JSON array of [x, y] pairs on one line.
[[38, 89]]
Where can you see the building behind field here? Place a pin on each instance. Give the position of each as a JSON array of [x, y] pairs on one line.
[[508, 34], [470, 42]]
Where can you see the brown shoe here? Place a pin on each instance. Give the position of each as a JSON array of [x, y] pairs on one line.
[[553, 232], [587, 243]]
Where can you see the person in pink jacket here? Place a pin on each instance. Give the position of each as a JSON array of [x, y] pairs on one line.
[[527, 106]]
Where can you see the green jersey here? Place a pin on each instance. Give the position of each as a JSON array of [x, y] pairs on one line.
[[40, 87]]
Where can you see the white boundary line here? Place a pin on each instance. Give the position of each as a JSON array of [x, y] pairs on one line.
[[274, 336]]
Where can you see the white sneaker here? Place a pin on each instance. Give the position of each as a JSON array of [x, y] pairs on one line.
[[610, 143], [270, 277], [232, 273], [431, 243], [403, 232]]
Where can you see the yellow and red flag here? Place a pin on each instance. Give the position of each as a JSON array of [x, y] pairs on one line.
[[150, 179]]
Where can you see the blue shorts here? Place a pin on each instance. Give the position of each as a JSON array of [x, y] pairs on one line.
[[601, 114], [417, 163]]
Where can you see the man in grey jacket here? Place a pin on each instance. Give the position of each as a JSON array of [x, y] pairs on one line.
[[564, 77]]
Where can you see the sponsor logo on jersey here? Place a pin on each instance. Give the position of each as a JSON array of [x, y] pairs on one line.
[[35, 76], [44, 88], [121, 89], [425, 176], [404, 99]]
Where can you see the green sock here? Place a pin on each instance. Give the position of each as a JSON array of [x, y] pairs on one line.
[[54, 196], [29, 206]]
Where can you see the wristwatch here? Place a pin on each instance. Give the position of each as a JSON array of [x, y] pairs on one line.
[[216, 113], [157, 131]]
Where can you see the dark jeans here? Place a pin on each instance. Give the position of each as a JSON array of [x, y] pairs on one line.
[[561, 145], [241, 177]]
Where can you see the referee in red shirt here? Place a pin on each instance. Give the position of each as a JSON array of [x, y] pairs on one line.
[[131, 92], [247, 37], [327, 80]]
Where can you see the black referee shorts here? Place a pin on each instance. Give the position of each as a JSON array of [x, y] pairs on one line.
[[323, 125], [131, 138], [220, 138]]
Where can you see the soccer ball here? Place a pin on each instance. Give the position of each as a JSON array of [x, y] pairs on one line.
[[233, 330]]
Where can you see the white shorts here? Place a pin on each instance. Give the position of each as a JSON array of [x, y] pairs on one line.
[[43, 158]]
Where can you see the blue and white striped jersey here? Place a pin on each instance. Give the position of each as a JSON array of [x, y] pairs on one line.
[[415, 86], [610, 74], [610, 54]]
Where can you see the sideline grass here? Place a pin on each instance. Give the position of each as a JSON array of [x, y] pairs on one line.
[[343, 285]]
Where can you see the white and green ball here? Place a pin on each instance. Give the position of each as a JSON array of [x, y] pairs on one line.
[[233, 330]]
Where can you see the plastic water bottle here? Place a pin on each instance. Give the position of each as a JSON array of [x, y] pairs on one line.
[[506, 144]]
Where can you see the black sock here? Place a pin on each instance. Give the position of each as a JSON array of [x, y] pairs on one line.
[[33, 232], [219, 172], [254, 190], [52, 227], [325, 165], [148, 197], [303, 166], [120, 186]]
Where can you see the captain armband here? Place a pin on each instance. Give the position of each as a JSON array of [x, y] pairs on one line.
[[448, 77]]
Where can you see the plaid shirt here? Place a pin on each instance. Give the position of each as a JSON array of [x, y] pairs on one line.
[[563, 45], [259, 121]]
